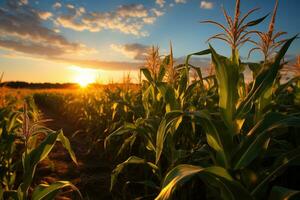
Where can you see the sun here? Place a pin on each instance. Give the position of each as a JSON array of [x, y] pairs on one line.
[[83, 76], [84, 80]]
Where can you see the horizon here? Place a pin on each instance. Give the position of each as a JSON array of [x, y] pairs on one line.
[[67, 41]]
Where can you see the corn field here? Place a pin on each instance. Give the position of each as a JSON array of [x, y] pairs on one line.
[[174, 137]]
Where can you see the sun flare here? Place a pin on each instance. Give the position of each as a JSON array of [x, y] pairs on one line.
[[83, 76]]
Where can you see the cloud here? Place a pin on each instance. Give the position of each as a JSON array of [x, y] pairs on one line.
[[104, 65], [83, 63], [44, 15], [149, 20], [157, 13], [70, 6], [206, 5], [161, 3], [21, 30], [22, 33], [180, 1], [132, 10], [31, 47], [134, 50], [57, 5], [69, 21], [24, 2], [128, 19]]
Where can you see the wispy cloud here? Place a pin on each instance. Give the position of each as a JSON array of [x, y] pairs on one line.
[[157, 12], [104, 65], [128, 19], [180, 1], [161, 3], [24, 2], [206, 5], [134, 50], [83, 63], [44, 15], [57, 5], [24, 36], [22, 30]]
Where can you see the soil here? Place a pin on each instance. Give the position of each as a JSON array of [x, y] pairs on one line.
[[91, 176]]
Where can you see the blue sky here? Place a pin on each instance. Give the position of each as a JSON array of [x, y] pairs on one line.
[[42, 41]]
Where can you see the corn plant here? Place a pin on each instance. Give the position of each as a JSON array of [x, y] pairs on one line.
[[33, 154], [160, 96], [239, 145]]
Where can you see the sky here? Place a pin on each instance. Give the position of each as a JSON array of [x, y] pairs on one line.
[[103, 40]]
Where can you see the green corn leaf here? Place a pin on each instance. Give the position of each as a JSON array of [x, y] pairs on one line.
[[31, 159], [183, 81], [220, 141], [127, 142], [281, 193], [218, 176], [127, 127], [147, 74], [190, 89], [161, 73], [12, 195], [199, 73], [66, 144], [132, 160], [257, 21], [227, 74], [255, 68], [169, 120], [280, 163], [168, 93], [263, 81], [254, 142], [1, 190], [200, 53], [48, 192]]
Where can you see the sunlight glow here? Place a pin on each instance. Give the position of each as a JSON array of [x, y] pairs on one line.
[[84, 76]]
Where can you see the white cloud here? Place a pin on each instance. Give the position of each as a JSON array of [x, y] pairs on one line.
[[57, 5], [24, 2], [157, 13], [133, 50], [149, 20], [180, 1], [82, 10], [161, 3], [44, 15], [25, 36], [206, 5], [25, 33], [70, 6], [128, 19]]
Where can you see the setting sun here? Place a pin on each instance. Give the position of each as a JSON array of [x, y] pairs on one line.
[[83, 76]]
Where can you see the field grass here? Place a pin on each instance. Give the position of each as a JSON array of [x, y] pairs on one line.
[[173, 136]]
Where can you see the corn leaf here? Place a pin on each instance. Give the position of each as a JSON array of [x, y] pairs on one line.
[[218, 176], [280, 163], [48, 192], [227, 74], [263, 81], [166, 123], [147, 74], [254, 142], [133, 160], [31, 159], [281, 193], [220, 141]]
